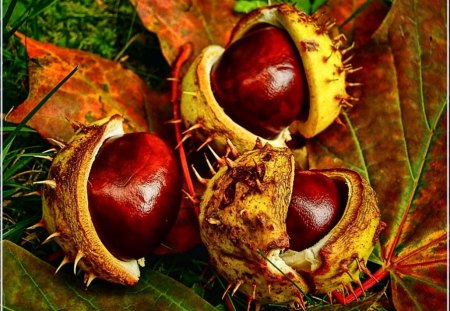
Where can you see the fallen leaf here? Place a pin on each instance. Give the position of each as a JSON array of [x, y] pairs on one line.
[[30, 284], [99, 88], [358, 19], [395, 137], [177, 22]]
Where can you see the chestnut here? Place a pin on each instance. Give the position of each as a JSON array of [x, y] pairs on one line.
[[260, 82], [109, 198], [280, 74], [255, 217], [134, 192], [315, 208]]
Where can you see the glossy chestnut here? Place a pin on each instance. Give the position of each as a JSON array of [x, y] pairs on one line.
[[260, 82], [134, 192], [315, 208]]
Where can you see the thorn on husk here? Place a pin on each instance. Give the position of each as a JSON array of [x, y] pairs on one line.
[[355, 99], [330, 24], [236, 287], [362, 267], [251, 298], [353, 70], [64, 262], [301, 300], [340, 37], [172, 79], [344, 268], [202, 180], [192, 128], [49, 182], [77, 259], [75, 124], [347, 59], [339, 121], [206, 142], [227, 289], [233, 150], [185, 137], [219, 160], [211, 279], [88, 278], [330, 297], [190, 197], [211, 168], [258, 144], [173, 121], [350, 289], [353, 84], [230, 163], [51, 236], [45, 157], [56, 142], [39, 224], [343, 52], [361, 286]]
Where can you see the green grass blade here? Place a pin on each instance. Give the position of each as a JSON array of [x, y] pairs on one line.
[[7, 129], [20, 226], [9, 13], [31, 12], [361, 8]]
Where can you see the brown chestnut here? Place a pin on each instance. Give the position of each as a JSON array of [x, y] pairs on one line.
[[260, 82], [134, 192], [315, 208]]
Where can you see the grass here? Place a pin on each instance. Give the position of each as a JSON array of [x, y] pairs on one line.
[[109, 28]]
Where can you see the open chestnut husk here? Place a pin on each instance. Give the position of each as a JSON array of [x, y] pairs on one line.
[[254, 88], [243, 217], [108, 200]]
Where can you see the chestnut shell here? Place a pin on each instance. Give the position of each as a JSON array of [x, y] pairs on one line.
[[243, 225]]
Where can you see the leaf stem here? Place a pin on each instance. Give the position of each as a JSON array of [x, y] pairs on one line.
[[368, 284], [184, 54]]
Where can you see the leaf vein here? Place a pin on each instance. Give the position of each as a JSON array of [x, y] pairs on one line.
[[205, 24], [405, 288], [420, 75], [358, 147], [81, 296], [416, 183], [32, 280], [423, 247]]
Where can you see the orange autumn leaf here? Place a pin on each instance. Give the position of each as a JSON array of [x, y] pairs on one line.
[[201, 23], [98, 89]]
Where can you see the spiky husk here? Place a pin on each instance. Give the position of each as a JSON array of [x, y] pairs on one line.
[[321, 58], [324, 70], [200, 109], [335, 259], [65, 206], [243, 225], [243, 220]]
